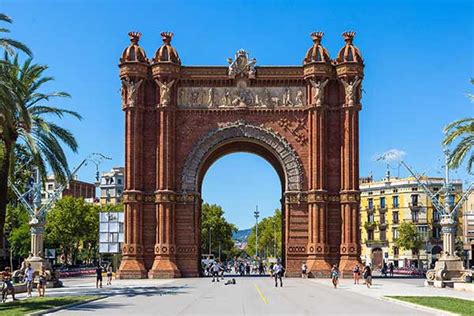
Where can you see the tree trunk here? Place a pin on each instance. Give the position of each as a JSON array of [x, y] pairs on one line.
[[4, 172]]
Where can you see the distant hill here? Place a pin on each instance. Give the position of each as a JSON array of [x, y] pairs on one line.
[[242, 235]]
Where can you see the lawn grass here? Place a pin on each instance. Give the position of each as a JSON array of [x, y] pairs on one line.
[[26, 306], [449, 304]]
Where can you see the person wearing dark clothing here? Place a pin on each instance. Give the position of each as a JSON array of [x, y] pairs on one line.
[[390, 267], [98, 274], [368, 276]]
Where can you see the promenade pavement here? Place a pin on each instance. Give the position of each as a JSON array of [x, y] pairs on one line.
[[250, 296]]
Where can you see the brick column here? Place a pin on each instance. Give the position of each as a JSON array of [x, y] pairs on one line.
[[164, 265], [132, 262], [350, 194], [317, 195]]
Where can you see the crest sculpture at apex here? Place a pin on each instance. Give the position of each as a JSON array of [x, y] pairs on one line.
[[180, 119]]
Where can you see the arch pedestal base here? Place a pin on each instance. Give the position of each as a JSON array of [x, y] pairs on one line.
[[318, 267], [132, 268], [164, 268]]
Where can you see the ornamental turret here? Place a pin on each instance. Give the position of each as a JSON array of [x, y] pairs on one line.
[[317, 53], [134, 53], [349, 62], [349, 53], [166, 52], [317, 62]]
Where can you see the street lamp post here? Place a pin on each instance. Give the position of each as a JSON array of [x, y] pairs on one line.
[[38, 212], [256, 214], [449, 267]]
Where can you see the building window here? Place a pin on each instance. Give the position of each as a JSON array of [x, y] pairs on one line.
[[119, 181], [382, 218], [436, 232], [395, 217], [395, 233], [383, 235], [435, 216], [423, 231], [371, 204], [370, 217], [370, 235], [414, 216], [395, 201], [414, 199], [396, 251], [414, 189], [395, 190], [382, 202], [119, 192], [50, 187], [382, 192]]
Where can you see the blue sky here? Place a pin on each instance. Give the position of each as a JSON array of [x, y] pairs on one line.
[[419, 59]]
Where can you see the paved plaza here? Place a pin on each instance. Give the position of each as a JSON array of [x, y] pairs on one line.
[[250, 296]]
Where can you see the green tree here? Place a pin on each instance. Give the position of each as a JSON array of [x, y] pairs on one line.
[[461, 132], [18, 230], [9, 45], [71, 225], [269, 236], [23, 112], [215, 226], [408, 237]]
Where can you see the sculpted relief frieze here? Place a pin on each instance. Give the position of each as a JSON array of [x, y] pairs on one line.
[[241, 96]]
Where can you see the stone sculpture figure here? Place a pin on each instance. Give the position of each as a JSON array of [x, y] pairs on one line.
[[182, 97], [350, 89], [299, 98], [194, 97], [210, 97], [286, 99], [242, 65], [130, 91], [318, 89], [226, 98], [165, 91]]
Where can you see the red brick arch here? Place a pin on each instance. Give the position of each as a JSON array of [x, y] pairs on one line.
[[180, 119]]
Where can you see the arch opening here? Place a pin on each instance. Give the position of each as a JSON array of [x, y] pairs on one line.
[[242, 167]]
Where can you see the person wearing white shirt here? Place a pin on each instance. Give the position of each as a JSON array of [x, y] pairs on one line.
[[29, 279]]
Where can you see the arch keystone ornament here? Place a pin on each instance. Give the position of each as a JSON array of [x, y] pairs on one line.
[[179, 120]]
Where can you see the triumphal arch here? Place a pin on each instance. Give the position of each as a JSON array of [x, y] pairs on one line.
[[180, 119]]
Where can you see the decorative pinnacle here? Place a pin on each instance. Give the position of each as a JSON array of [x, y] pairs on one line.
[[317, 36], [348, 36], [134, 37], [166, 36]]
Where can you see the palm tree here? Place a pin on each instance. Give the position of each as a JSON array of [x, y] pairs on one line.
[[461, 131], [24, 119], [9, 45]]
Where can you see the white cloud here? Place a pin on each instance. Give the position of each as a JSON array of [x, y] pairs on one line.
[[390, 155]]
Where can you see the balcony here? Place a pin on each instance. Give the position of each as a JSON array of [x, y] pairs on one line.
[[369, 209], [376, 243], [383, 224], [414, 206], [370, 225], [382, 209]]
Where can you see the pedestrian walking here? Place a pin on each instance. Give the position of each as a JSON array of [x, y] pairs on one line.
[[98, 275], [7, 279], [334, 275], [42, 277], [109, 275], [278, 273], [29, 279], [368, 276], [271, 270], [356, 274], [215, 271], [304, 270], [390, 267]]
